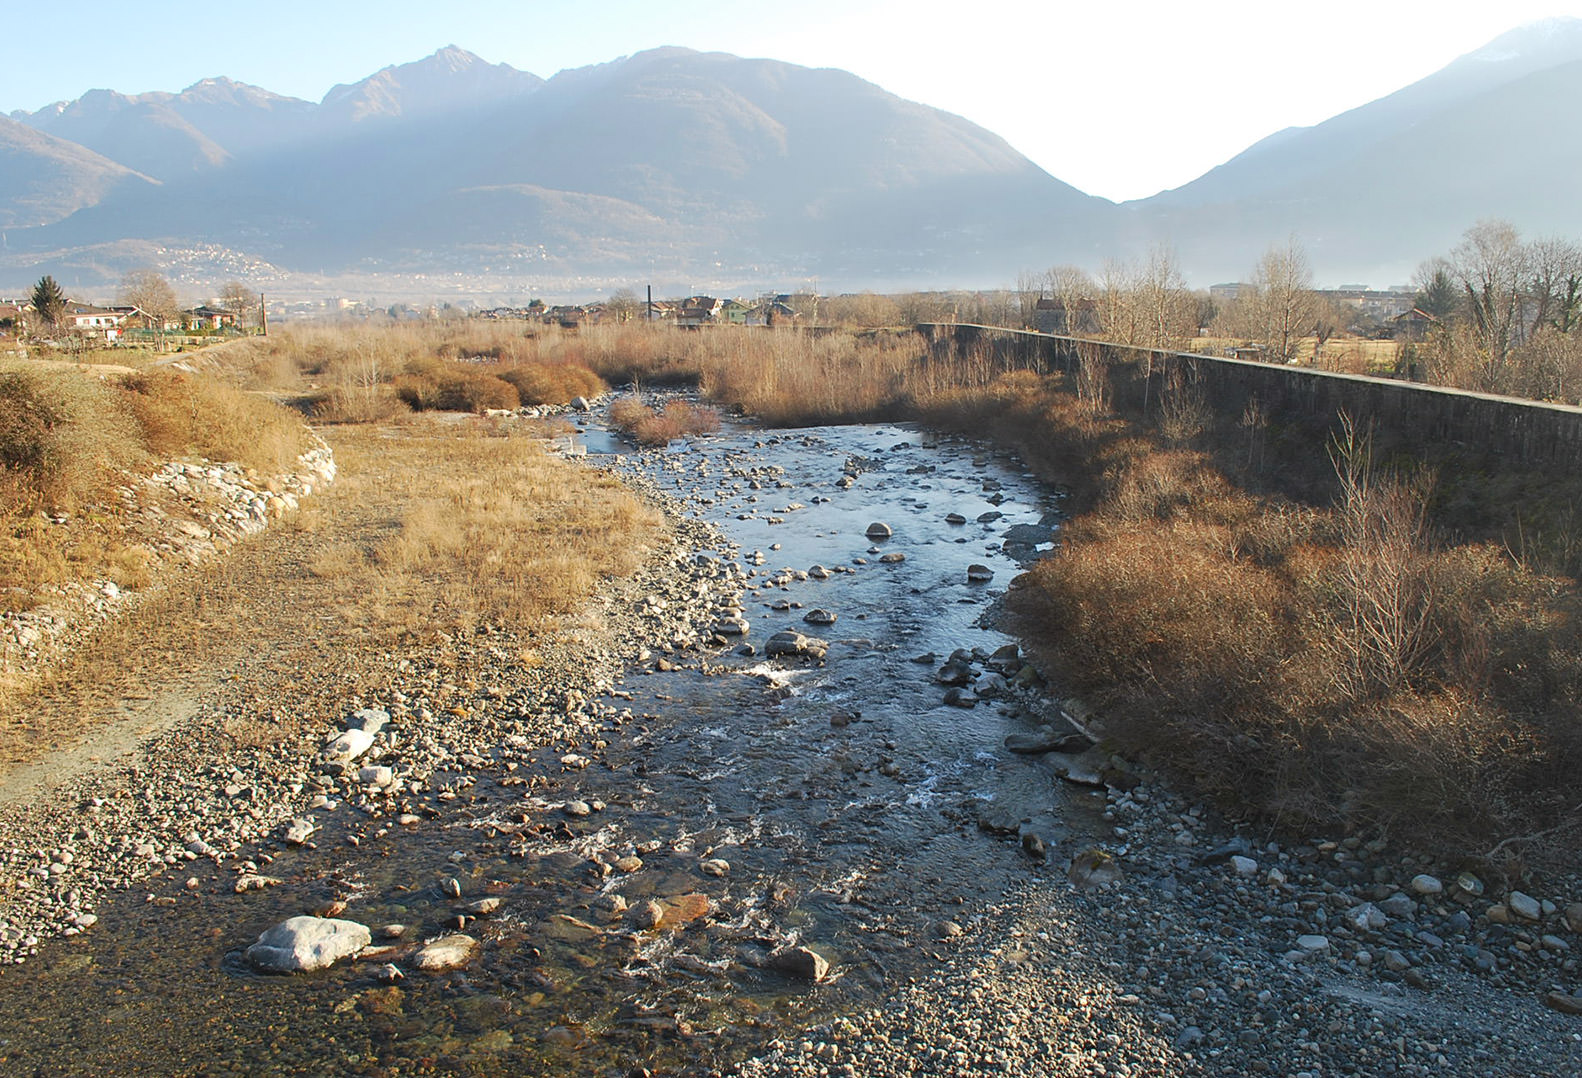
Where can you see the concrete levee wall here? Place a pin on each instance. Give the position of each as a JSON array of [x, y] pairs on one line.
[[1427, 421]]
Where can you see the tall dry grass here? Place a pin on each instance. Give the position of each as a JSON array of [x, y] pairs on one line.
[[69, 439], [492, 530]]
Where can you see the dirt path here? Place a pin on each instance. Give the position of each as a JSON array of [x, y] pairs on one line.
[[257, 629]]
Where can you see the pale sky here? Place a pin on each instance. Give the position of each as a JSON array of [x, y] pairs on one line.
[[1121, 98]]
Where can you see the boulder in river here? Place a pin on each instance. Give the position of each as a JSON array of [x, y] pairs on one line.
[[447, 952], [820, 616], [979, 574], [801, 962], [304, 944], [789, 642], [879, 530]]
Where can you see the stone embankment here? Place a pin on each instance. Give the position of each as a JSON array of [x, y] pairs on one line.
[[183, 513]]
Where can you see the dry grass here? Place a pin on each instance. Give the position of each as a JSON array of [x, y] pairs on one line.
[[1324, 669], [492, 530], [70, 437]]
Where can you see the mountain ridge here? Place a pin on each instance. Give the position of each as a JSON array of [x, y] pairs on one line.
[[693, 165]]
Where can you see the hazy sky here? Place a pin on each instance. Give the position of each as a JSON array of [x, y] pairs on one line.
[[1121, 98]]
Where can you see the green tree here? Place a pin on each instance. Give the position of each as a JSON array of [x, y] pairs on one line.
[[1437, 293], [49, 301]]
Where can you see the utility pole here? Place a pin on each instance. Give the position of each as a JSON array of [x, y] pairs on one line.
[[650, 304], [263, 315]]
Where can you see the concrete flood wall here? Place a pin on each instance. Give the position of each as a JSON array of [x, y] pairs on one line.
[[1428, 422]]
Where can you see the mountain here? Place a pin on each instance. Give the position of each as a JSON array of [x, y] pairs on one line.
[[670, 162], [45, 179], [451, 80], [1379, 187], [683, 168]]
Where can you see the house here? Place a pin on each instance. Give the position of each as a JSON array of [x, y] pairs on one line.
[[1412, 325], [13, 318], [205, 317], [734, 311], [91, 321], [699, 311], [772, 313], [1051, 316], [566, 315]]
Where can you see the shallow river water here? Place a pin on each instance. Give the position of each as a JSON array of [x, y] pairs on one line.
[[844, 799]]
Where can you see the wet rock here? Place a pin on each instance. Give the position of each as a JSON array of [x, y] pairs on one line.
[[298, 831], [801, 962], [998, 820], [446, 953], [979, 574], [955, 518], [819, 616], [989, 517], [789, 642], [715, 866], [568, 929], [1086, 769], [818, 572], [1094, 868], [577, 809], [734, 626], [1047, 739], [252, 881], [483, 907], [962, 698], [954, 672], [895, 558], [304, 944], [647, 914], [879, 530]]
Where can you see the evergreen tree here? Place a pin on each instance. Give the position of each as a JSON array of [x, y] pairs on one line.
[[49, 301]]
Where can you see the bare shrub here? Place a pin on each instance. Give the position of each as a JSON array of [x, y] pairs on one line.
[[1386, 628], [1183, 407]]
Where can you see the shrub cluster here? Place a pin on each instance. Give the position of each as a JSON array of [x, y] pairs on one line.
[[647, 427]]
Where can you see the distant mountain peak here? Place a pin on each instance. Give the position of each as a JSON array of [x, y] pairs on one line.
[[447, 79], [1550, 41]]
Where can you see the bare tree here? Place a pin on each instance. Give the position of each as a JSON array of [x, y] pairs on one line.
[[1554, 281], [623, 305], [1491, 264], [1284, 309], [1075, 291], [149, 292], [239, 300]]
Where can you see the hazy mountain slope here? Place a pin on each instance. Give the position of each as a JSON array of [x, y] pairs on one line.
[[44, 179], [670, 156], [1374, 190]]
